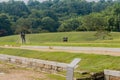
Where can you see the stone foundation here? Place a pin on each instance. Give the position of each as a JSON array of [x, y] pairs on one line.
[[39, 65], [94, 76], [114, 78]]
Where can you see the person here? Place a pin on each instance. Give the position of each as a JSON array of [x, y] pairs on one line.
[[23, 37]]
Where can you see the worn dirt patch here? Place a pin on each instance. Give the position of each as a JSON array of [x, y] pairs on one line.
[[21, 75], [8, 72]]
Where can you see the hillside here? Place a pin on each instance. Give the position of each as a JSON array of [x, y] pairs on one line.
[[56, 39]]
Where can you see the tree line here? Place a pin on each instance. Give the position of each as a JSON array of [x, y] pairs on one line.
[[59, 16]]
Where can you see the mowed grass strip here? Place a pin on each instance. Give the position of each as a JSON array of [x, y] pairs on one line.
[[56, 39], [90, 62]]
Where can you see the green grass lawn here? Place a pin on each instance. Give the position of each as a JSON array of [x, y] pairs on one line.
[[90, 62], [55, 39]]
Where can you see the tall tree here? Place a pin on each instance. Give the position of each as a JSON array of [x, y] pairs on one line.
[[49, 24], [5, 24]]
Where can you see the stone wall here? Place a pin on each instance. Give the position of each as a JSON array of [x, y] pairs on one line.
[[94, 76], [112, 75], [114, 78], [105, 75], [39, 65]]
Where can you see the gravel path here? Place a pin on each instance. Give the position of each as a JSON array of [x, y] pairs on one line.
[[88, 50]]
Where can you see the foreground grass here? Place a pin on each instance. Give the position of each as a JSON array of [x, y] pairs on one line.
[[55, 39], [90, 62]]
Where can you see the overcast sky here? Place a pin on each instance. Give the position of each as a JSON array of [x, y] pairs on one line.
[[41, 0]]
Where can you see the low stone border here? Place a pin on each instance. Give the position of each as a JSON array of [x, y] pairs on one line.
[[40, 65], [94, 76], [112, 75]]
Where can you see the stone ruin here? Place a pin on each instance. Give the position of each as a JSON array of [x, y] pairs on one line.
[[39, 65], [53, 67]]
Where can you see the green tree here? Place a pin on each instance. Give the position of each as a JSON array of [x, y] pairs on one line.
[[5, 24], [23, 25], [69, 25], [16, 8], [49, 24]]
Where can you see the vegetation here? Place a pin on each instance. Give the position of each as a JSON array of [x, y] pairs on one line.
[[95, 20], [99, 62], [56, 39], [59, 16]]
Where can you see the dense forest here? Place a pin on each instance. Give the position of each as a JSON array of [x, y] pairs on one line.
[[59, 16]]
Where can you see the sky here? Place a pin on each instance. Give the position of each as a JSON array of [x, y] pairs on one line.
[[40, 0]]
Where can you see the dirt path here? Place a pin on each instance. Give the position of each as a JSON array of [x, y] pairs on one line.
[[87, 50]]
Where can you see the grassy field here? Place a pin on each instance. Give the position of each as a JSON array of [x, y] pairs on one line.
[[55, 39], [90, 62]]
